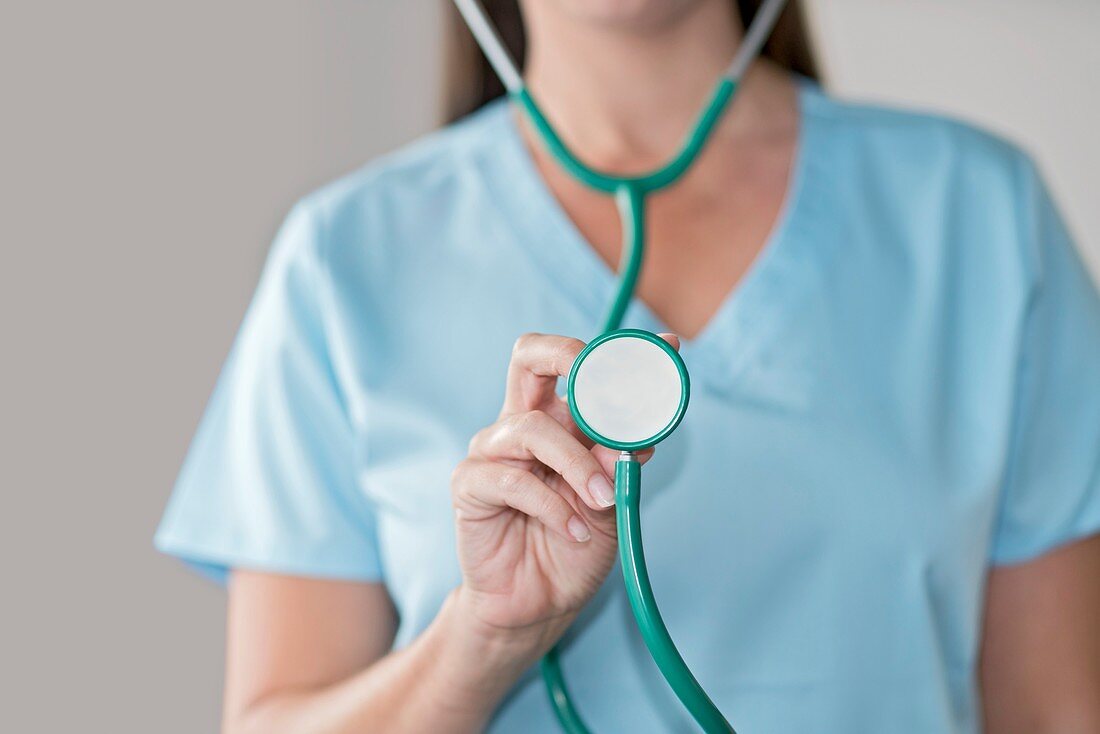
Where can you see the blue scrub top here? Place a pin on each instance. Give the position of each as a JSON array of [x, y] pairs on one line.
[[903, 391]]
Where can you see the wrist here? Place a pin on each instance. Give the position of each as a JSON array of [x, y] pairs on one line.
[[473, 664], [521, 645]]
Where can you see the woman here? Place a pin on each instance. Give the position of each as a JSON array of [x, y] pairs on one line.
[[879, 516]]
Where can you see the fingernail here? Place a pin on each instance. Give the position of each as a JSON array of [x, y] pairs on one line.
[[601, 490], [578, 529]]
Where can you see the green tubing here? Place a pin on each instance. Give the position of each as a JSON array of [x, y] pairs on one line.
[[630, 193], [631, 203], [570, 720], [628, 486], [647, 182], [628, 480]]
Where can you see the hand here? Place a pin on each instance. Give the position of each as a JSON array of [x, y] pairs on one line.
[[536, 535]]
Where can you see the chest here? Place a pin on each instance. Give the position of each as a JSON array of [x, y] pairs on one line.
[[808, 462], [702, 233], [792, 480]]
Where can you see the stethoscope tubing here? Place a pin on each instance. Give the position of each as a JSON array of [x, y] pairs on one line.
[[630, 194]]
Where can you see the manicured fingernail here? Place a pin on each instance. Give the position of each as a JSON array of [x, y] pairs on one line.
[[601, 490], [578, 529]]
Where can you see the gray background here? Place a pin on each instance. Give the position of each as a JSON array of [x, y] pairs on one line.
[[148, 151]]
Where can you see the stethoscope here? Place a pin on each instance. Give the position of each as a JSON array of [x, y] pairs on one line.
[[628, 389]]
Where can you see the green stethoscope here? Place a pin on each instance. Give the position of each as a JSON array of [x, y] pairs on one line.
[[628, 389]]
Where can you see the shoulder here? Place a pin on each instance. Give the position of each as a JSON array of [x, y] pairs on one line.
[[917, 162], [395, 196], [930, 198], [437, 157], [911, 136], [937, 185]]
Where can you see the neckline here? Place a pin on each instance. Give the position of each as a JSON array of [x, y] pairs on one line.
[[728, 339]]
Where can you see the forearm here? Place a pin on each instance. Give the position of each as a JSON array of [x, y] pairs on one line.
[[450, 679], [1040, 665]]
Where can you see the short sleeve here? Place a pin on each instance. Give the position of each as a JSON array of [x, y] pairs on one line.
[[269, 482], [1052, 486]]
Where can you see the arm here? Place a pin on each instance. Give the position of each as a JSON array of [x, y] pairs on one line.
[[309, 655], [1040, 658]]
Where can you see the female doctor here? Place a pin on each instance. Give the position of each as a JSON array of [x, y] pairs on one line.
[[880, 514]]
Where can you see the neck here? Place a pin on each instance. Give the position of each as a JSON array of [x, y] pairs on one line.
[[623, 98]]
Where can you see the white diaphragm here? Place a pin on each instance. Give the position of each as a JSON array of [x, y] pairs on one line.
[[628, 390]]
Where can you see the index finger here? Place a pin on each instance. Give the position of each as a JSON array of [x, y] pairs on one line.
[[538, 360]]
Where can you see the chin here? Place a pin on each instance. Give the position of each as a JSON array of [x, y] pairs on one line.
[[635, 14]]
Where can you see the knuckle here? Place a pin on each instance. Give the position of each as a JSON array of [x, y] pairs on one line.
[[567, 349], [459, 474], [510, 481], [576, 464], [528, 422], [537, 418], [548, 507], [480, 440], [524, 342], [514, 423], [511, 428], [530, 425]]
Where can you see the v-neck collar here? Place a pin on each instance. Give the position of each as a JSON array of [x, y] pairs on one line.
[[747, 315]]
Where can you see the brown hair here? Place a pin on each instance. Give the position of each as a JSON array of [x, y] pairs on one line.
[[469, 81]]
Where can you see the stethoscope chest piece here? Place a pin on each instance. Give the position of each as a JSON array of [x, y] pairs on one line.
[[628, 389]]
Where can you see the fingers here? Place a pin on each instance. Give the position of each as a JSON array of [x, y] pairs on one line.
[[481, 488], [535, 435], [527, 434], [538, 360]]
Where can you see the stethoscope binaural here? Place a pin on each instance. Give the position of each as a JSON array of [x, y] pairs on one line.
[[628, 389]]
